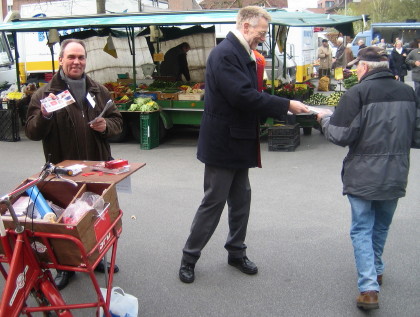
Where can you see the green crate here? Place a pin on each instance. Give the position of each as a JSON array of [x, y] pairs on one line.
[[188, 104], [124, 106], [164, 103], [149, 130]]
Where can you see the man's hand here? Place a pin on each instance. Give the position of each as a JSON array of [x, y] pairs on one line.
[[44, 112], [322, 113], [296, 107], [99, 124]]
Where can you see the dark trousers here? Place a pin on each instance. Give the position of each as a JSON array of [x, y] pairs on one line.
[[324, 72], [221, 185]]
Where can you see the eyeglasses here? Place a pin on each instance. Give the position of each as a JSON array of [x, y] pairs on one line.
[[262, 33]]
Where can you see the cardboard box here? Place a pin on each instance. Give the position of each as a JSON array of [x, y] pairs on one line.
[[188, 96], [125, 81], [168, 95]]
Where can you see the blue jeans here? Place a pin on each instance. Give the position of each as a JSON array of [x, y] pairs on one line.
[[369, 228]]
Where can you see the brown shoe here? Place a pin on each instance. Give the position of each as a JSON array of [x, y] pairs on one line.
[[368, 300], [379, 279]]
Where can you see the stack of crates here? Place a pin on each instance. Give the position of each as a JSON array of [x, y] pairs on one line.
[[284, 138], [9, 122], [149, 130]]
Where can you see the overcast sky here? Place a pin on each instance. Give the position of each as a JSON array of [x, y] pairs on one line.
[[302, 4]]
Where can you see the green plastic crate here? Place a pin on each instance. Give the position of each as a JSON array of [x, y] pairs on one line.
[[124, 106], [149, 130]]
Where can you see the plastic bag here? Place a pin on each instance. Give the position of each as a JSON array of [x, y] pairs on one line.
[[323, 83], [81, 206], [122, 304]]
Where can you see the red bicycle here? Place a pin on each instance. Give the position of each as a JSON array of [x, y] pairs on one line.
[[28, 275]]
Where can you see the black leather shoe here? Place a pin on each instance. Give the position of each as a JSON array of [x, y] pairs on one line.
[[186, 272], [62, 278], [244, 265], [101, 268]]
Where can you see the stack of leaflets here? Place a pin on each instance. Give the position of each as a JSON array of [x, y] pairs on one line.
[[101, 167]]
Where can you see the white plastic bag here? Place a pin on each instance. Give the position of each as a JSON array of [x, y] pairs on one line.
[[122, 304]]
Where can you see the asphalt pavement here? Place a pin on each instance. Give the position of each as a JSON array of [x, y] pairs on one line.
[[298, 235]]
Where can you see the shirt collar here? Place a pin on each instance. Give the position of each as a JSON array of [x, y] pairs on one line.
[[242, 40]]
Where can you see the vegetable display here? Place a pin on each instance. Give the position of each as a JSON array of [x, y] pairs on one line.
[[350, 82], [321, 99], [144, 105]]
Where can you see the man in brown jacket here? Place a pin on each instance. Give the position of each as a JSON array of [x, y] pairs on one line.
[[71, 133], [325, 59]]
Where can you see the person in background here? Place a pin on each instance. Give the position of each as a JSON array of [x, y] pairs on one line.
[[348, 54], [228, 142], [379, 120], [175, 62], [325, 59], [23, 103], [67, 133], [361, 44], [413, 60], [397, 63], [260, 61], [340, 57], [382, 44]]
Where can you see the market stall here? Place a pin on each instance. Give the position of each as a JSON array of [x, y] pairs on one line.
[[172, 109]]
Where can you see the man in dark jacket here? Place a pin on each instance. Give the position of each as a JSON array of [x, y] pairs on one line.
[[68, 133], [229, 139], [175, 63], [379, 120]]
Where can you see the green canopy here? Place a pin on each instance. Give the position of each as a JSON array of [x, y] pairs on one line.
[[161, 18]]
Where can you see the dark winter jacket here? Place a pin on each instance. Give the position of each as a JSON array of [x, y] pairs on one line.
[[397, 62], [175, 64], [379, 120], [229, 130], [67, 134]]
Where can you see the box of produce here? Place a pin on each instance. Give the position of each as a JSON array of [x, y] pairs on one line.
[[168, 95], [124, 103], [191, 96], [144, 105], [191, 92]]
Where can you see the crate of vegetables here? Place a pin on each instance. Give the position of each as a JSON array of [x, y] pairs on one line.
[[144, 105], [123, 104]]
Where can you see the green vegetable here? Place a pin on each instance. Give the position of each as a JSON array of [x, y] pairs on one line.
[[144, 105], [351, 81], [321, 99]]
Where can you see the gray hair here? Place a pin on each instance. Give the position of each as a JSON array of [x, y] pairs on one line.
[[251, 14], [67, 42], [375, 65], [340, 40]]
